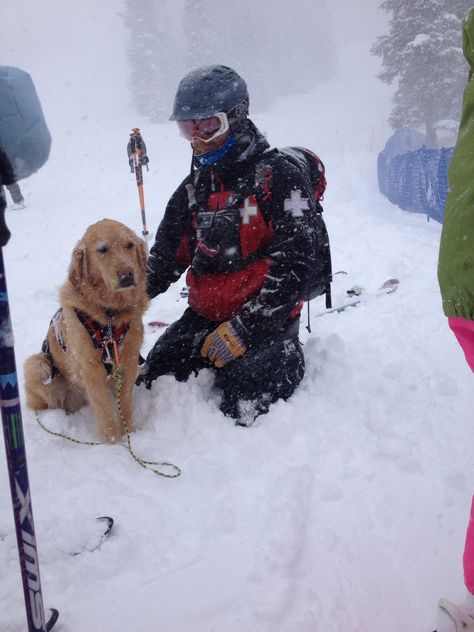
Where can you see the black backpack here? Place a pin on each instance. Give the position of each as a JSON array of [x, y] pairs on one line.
[[259, 179], [312, 168]]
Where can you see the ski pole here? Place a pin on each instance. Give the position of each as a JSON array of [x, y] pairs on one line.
[[137, 157], [18, 470]]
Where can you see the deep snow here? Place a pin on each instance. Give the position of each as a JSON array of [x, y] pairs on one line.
[[343, 509]]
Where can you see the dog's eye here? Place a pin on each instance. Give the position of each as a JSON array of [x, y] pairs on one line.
[[129, 246], [102, 249]]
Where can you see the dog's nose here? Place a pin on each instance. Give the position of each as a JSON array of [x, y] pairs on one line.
[[125, 271], [126, 276]]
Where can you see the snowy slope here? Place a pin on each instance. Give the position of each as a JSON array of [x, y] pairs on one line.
[[343, 509]]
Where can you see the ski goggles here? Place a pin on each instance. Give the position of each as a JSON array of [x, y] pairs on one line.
[[206, 129]]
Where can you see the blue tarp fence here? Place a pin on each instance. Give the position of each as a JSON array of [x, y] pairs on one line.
[[416, 181]]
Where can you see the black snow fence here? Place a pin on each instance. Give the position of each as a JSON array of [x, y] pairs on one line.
[[413, 177]]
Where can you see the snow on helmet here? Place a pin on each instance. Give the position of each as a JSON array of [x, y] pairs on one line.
[[209, 90]]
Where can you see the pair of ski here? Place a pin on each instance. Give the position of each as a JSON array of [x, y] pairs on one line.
[[356, 295]]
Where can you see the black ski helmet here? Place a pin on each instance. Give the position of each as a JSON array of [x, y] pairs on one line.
[[209, 90]]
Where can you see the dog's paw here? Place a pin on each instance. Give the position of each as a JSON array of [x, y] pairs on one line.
[[110, 435]]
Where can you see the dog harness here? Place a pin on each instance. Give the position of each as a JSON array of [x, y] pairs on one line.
[[105, 337]]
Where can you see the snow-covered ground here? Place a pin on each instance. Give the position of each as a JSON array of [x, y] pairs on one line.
[[341, 510]]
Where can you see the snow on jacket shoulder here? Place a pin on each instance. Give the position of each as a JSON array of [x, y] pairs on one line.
[[456, 259]]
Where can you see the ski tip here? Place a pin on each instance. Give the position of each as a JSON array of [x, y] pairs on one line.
[[157, 324], [390, 285], [96, 544], [109, 522], [53, 617]]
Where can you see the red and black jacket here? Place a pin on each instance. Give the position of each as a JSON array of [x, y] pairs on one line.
[[242, 230]]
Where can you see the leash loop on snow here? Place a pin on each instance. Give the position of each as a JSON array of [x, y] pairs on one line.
[[61, 435], [170, 470], [174, 469]]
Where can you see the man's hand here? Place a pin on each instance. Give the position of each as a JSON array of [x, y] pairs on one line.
[[223, 345], [144, 378]]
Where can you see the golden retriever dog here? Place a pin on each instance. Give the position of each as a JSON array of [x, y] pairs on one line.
[[99, 324]]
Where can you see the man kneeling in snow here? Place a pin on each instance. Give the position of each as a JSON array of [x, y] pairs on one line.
[[240, 223]]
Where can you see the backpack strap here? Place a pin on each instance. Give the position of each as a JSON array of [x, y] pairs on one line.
[[263, 193], [263, 178], [259, 182]]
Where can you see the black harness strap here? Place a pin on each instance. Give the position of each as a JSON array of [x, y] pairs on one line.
[[45, 347]]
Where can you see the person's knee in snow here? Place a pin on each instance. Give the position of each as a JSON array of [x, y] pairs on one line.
[[266, 374]]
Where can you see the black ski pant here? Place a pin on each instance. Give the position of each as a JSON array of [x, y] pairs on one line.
[[265, 373]]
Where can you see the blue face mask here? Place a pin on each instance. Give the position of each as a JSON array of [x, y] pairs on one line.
[[214, 156]]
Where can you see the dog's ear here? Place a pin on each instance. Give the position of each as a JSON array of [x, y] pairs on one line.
[[142, 255], [78, 269]]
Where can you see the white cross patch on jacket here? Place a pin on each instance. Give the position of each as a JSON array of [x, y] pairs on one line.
[[296, 204], [247, 211]]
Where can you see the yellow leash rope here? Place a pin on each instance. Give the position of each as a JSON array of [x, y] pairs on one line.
[[175, 471]]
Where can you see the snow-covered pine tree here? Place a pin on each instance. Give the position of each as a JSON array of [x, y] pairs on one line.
[[155, 71], [423, 53]]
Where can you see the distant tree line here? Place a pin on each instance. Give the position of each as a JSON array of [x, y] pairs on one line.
[[280, 48]]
